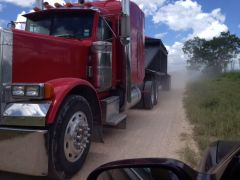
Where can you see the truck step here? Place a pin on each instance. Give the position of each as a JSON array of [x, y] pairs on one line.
[[116, 119]]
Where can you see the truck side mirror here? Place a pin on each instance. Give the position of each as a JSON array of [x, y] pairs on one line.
[[144, 168]]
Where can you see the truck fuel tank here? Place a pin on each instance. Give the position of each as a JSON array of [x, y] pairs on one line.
[[102, 65]]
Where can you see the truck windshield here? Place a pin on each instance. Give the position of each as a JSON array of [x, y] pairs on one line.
[[68, 25]]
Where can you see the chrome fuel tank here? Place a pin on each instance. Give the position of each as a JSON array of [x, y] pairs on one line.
[[102, 65]]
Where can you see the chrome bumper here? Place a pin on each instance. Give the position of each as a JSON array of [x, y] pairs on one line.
[[23, 151], [25, 114]]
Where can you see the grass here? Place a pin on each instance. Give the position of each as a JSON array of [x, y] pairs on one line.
[[213, 106]]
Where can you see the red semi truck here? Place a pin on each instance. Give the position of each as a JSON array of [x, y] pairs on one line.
[[74, 69]]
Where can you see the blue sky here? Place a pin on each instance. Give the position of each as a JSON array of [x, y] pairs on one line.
[[174, 21]]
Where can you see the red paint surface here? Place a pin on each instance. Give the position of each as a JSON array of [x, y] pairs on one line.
[[40, 58]]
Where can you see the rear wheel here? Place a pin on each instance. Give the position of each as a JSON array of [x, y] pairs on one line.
[[149, 95], [70, 137], [155, 92]]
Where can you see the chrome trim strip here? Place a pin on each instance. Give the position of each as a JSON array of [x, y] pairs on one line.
[[6, 52], [25, 114], [6, 58], [24, 151]]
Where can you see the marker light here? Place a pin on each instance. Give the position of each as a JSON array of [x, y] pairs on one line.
[[68, 4], [57, 5], [47, 5], [36, 9]]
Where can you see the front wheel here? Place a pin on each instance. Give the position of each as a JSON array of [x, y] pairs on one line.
[[70, 137]]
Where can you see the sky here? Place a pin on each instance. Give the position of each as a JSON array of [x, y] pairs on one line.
[[174, 21]]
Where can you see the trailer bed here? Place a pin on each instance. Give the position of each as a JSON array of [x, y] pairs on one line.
[[155, 56]]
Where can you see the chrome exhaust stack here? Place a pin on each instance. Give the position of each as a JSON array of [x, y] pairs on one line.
[[125, 37]]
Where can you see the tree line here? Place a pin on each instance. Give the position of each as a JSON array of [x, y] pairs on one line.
[[212, 55]]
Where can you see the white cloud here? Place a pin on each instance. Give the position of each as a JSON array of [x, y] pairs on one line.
[[185, 15], [30, 3], [239, 26], [160, 35], [149, 7]]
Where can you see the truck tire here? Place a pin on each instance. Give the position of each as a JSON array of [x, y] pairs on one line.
[[167, 83], [148, 95], [70, 137], [156, 91]]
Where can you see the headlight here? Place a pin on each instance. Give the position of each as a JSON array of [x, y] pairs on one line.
[[18, 91], [32, 91]]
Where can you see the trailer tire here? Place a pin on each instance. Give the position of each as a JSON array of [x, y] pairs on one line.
[[148, 96], [70, 137], [156, 91]]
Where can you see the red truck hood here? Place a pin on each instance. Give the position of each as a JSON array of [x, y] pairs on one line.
[[39, 58]]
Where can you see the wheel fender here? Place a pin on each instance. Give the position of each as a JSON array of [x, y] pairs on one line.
[[63, 87]]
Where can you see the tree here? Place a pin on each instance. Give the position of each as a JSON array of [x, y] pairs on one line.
[[214, 54]]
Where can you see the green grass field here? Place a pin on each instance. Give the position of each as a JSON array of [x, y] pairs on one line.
[[212, 105]]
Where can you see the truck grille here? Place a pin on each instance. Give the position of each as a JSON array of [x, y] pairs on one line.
[[6, 54]]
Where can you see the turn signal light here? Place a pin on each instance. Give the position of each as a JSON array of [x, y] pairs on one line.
[[48, 91], [57, 5]]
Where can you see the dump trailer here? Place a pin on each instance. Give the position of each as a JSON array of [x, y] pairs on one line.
[[74, 69]]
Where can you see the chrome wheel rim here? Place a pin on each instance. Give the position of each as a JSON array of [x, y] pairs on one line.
[[76, 136]]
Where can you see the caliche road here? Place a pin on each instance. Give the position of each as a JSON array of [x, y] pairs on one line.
[[149, 133]]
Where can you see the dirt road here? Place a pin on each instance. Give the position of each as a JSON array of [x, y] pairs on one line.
[[149, 133]]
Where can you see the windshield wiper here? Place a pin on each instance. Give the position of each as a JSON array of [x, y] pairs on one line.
[[65, 35], [68, 36]]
